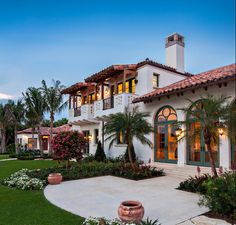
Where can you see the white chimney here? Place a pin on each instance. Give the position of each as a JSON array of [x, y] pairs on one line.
[[175, 52]]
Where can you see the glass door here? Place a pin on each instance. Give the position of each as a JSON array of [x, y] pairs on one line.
[[197, 151], [166, 143]]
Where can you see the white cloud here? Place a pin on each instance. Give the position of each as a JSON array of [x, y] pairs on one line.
[[6, 96]]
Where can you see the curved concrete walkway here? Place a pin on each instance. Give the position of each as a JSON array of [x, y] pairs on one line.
[[101, 196]]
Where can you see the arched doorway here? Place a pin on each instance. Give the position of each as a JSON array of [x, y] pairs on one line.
[[196, 150], [166, 146]]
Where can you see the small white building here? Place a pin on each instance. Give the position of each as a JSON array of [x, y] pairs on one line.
[[160, 90], [28, 138]]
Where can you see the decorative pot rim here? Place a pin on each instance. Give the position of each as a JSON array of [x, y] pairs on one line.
[[130, 204], [54, 174]]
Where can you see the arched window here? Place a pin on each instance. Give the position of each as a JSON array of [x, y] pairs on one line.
[[165, 137]]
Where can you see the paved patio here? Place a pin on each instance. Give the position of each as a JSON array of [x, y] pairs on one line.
[[101, 196]]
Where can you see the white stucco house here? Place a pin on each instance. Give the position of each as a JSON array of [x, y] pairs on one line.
[[160, 90], [28, 138]]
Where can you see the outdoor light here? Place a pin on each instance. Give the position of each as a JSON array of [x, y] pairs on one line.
[[90, 137], [178, 131], [220, 131]]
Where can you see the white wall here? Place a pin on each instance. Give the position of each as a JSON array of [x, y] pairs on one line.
[[175, 57], [180, 102], [145, 76]]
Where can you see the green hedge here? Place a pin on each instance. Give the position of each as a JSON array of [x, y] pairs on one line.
[[93, 169]]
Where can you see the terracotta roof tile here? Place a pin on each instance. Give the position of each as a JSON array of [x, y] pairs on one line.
[[108, 72], [45, 131], [205, 78], [75, 87], [162, 66]]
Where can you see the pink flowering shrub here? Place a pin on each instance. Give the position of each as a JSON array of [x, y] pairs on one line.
[[68, 145]]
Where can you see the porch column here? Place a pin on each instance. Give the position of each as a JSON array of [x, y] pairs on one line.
[[182, 149], [102, 91], [224, 152], [124, 80], [96, 92]]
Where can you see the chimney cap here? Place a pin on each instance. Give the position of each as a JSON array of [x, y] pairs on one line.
[[174, 38]]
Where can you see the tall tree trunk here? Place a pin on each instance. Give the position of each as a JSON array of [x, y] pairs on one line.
[[51, 132], [210, 152], [3, 141], [16, 142], [129, 143], [40, 141]]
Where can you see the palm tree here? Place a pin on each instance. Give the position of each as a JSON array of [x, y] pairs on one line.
[[213, 115], [18, 113], [54, 103], [132, 124], [36, 105], [5, 121]]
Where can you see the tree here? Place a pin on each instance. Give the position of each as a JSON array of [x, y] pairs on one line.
[[35, 105], [68, 145], [133, 155], [54, 102], [61, 122], [100, 154], [213, 114], [132, 124], [5, 120], [17, 112]]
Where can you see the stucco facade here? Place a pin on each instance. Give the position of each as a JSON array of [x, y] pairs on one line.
[[156, 86]]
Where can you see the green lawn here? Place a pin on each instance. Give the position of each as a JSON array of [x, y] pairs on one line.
[[4, 156], [29, 207]]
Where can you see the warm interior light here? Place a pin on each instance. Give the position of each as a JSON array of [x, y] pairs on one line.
[[221, 131], [178, 132]]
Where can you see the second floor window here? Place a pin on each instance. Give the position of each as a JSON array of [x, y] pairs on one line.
[[120, 88], [155, 80], [130, 86], [91, 98], [85, 100]]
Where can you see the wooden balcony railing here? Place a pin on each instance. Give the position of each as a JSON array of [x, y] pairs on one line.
[[77, 111], [108, 103]]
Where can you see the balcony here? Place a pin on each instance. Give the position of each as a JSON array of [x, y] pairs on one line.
[[112, 105], [83, 112]]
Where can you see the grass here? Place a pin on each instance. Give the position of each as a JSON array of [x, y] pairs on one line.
[[4, 156], [29, 207]]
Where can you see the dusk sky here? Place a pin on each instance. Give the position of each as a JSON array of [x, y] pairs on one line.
[[69, 40]]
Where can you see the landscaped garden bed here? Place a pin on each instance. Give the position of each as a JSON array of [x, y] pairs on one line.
[[216, 193]]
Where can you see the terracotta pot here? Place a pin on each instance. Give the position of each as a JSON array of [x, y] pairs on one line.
[[131, 211], [54, 178]]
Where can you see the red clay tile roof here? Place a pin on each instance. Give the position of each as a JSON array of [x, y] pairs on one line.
[[75, 87], [108, 72], [45, 131], [203, 79], [159, 65]]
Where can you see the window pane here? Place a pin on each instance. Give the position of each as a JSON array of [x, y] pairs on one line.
[[133, 86], [155, 80], [120, 87], [127, 86]]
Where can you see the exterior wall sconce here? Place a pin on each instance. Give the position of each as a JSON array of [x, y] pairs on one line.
[[90, 137], [178, 131], [220, 131]]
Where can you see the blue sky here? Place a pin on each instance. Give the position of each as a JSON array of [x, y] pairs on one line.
[[69, 40]]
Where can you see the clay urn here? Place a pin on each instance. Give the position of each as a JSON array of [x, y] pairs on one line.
[[131, 211], [54, 178]]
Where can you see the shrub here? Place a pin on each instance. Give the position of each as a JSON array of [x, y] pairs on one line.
[[133, 155], [100, 154], [93, 169], [21, 180], [220, 195], [104, 221], [194, 184], [68, 145], [88, 158]]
